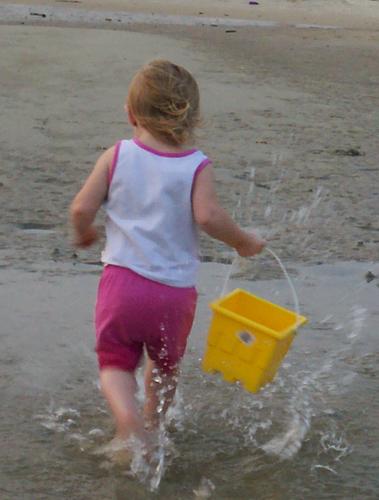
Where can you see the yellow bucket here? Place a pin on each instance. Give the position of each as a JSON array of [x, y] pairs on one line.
[[248, 338]]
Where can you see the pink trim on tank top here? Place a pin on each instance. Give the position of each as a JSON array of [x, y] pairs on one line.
[[199, 169], [161, 153], [114, 161]]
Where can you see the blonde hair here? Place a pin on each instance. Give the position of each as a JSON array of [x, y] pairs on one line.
[[164, 99]]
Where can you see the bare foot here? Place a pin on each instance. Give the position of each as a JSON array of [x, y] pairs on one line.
[[117, 451]]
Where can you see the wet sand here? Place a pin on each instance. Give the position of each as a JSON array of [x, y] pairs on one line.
[[295, 105]]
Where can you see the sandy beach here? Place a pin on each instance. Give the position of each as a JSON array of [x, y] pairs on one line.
[[296, 105], [290, 99]]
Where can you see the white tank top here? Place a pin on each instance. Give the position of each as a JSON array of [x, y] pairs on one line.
[[150, 227]]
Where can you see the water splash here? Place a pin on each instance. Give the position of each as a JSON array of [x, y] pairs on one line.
[[205, 489], [149, 464], [268, 211], [336, 445], [302, 402], [287, 445], [150, 461], [302, 215], [325, 467], [59, 420]]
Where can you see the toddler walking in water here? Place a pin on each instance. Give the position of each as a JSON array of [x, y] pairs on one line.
[[156, 192]]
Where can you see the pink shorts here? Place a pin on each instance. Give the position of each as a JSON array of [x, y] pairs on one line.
[[133, 312]]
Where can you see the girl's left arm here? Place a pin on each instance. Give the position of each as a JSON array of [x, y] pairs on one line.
[[87, 202]]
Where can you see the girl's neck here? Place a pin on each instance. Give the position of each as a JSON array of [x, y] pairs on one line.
[[149, 140]]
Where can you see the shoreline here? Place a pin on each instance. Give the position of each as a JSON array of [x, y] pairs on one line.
[[73, 17], [118, 14]]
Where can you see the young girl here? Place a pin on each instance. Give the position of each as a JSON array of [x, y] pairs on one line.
[[156, 193]]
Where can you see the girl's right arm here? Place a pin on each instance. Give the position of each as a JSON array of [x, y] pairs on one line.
[[87, 202], [215, 221]]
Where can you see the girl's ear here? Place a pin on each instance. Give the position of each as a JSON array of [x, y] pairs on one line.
[[131, 117]]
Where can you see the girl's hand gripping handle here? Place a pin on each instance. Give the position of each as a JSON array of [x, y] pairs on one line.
[[251, 245]]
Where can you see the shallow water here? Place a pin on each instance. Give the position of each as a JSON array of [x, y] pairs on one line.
[[311, 434]]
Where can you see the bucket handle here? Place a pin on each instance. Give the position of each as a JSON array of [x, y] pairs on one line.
[[290, 283]]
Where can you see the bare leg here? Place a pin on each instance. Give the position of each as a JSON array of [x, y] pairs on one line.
[[119, 388], [160, 390]]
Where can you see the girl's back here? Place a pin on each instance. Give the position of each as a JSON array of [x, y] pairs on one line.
[[150, 227]]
